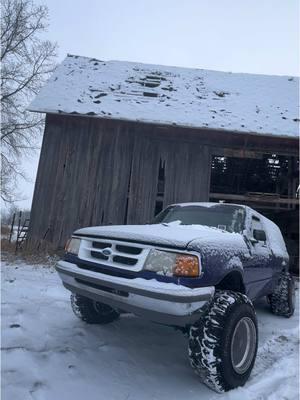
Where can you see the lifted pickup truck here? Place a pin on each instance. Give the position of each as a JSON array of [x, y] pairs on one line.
[[197, 267]]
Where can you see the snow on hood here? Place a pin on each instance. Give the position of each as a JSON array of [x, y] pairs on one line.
[[164, 234]]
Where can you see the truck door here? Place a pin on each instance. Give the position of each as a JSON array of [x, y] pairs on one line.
[[258, 272]]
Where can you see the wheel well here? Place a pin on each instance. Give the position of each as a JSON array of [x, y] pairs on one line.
[[232, 281]]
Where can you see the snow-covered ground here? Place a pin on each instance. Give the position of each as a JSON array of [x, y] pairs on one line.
[[48, 354]]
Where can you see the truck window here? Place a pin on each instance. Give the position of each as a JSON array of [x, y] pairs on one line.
[[256, 225]]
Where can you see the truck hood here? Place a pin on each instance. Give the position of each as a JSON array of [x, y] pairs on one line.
[[172, 234]]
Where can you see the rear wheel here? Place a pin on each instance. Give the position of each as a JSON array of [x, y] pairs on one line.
[[283, 299], [91, 311], [223, 343]]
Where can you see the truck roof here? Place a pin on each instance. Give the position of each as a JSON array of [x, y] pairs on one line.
[[207, 204]]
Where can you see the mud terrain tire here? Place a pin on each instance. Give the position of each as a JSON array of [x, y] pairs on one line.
[[282, 300], [92, 312], [223, 343]]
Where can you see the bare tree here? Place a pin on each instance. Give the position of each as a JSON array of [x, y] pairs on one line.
[[7, 214], [27, 59]]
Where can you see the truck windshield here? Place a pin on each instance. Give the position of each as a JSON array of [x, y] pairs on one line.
[[226, 217]]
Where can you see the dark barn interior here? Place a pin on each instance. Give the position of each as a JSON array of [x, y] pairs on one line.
[[268, 184], [99, 169]]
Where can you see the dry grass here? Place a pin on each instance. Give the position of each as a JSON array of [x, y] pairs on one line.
[[5, 230], [29, 256]]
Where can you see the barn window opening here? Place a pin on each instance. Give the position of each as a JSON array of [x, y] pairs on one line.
[[270, 174]]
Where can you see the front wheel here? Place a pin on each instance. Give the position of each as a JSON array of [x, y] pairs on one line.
[[91, 311], [223, 343]]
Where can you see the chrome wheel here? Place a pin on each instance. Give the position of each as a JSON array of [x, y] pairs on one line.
[[243, 345]]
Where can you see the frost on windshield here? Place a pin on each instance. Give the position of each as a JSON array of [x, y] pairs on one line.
[[227, 217], [237, 223]]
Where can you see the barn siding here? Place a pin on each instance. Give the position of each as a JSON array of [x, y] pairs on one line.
[[143, 181], [43, 200], [99, 172], [187, 172]]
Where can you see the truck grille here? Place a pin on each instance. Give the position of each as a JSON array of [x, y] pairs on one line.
[[113, 253], [101, 245]]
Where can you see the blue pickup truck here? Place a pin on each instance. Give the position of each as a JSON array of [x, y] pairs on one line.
[[197, 267]]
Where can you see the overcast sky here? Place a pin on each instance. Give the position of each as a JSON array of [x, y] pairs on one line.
[[255, 36]]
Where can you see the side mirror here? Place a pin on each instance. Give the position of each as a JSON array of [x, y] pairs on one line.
[[253, 240], [259, 235]]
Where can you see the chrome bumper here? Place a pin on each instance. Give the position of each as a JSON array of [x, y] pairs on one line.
[[161, 302]]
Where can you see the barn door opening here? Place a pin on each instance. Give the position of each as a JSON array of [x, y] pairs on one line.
[[265, 182]]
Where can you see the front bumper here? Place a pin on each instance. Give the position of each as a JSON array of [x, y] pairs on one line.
[[165, 303]]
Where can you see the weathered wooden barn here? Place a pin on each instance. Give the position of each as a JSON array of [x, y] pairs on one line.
[[122, 140]]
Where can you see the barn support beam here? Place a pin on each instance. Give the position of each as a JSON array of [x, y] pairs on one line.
[[267, 198]]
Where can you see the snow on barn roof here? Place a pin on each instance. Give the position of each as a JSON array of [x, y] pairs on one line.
[[195, 98]]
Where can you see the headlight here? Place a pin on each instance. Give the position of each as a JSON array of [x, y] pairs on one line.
[[72, 246], [172, 264]]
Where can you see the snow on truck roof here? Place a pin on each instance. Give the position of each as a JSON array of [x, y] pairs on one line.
[[195, 98], [206, 204]]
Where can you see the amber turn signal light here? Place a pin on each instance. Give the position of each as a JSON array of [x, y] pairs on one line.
[[186, 266]]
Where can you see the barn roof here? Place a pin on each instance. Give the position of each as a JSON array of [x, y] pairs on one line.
[[197, 98]]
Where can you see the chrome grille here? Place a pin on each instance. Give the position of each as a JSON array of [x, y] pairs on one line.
[[113, 253]]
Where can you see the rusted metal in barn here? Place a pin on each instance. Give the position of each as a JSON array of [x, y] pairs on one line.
[[115, 151]]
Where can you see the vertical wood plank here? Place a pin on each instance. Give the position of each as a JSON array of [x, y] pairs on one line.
[[143, 180], [87, 166]]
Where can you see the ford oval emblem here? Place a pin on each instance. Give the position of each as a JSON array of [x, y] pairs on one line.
[[107, 251]]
